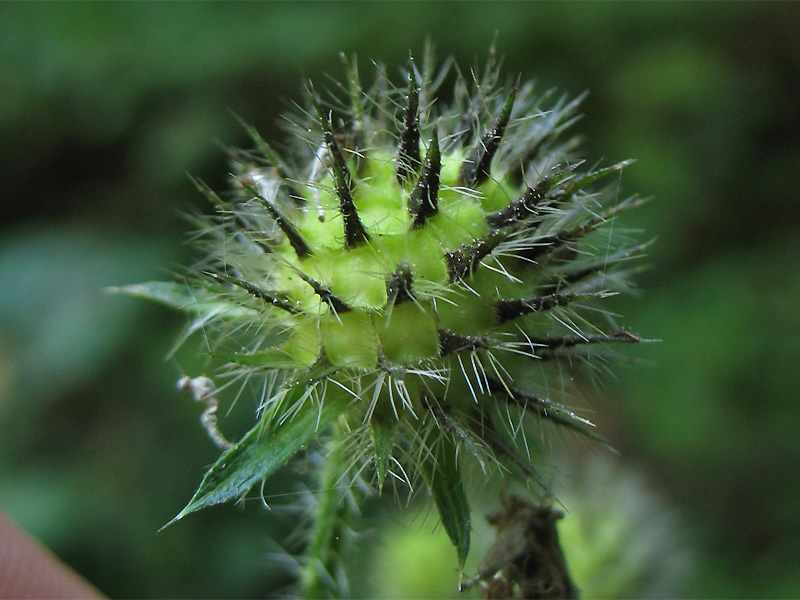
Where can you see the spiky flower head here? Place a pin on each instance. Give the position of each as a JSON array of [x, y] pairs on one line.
[[410, 279]]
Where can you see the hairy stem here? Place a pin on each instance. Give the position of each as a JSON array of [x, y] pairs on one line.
[[319, 577]]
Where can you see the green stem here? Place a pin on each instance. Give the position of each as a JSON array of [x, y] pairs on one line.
[[318, 578]]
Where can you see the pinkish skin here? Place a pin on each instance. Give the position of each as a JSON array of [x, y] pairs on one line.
[[29, 570]]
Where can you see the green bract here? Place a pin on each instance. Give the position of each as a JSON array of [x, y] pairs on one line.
[[411, 280]]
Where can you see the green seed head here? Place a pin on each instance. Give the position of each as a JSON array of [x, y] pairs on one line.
[[414, 276]]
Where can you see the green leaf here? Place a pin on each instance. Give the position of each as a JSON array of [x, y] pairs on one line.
[[261, 452], [383, 441], [444, 480], [198, 301]]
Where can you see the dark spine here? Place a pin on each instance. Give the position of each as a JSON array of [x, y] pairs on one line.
[[546, 409], [506, 310], [462, 262], [354, 233], [525, 207], [452, 343], [408, 160], [325, 294], [570, 341], [424, 200], [268, 297], [301, 247], [476, 166]]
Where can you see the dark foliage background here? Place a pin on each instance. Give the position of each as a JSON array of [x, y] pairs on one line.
[[104, 108]]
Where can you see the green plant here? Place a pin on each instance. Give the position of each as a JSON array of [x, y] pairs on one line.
[[409, 284]]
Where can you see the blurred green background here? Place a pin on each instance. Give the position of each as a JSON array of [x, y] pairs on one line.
[[104, 109]]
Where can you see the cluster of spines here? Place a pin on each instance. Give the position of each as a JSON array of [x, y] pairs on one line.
[[420, 176]]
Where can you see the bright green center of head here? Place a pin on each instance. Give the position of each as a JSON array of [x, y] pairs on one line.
[[403, 331]]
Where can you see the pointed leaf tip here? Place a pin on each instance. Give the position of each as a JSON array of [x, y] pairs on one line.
[[444, 481], [383, 434], [261, 452]]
